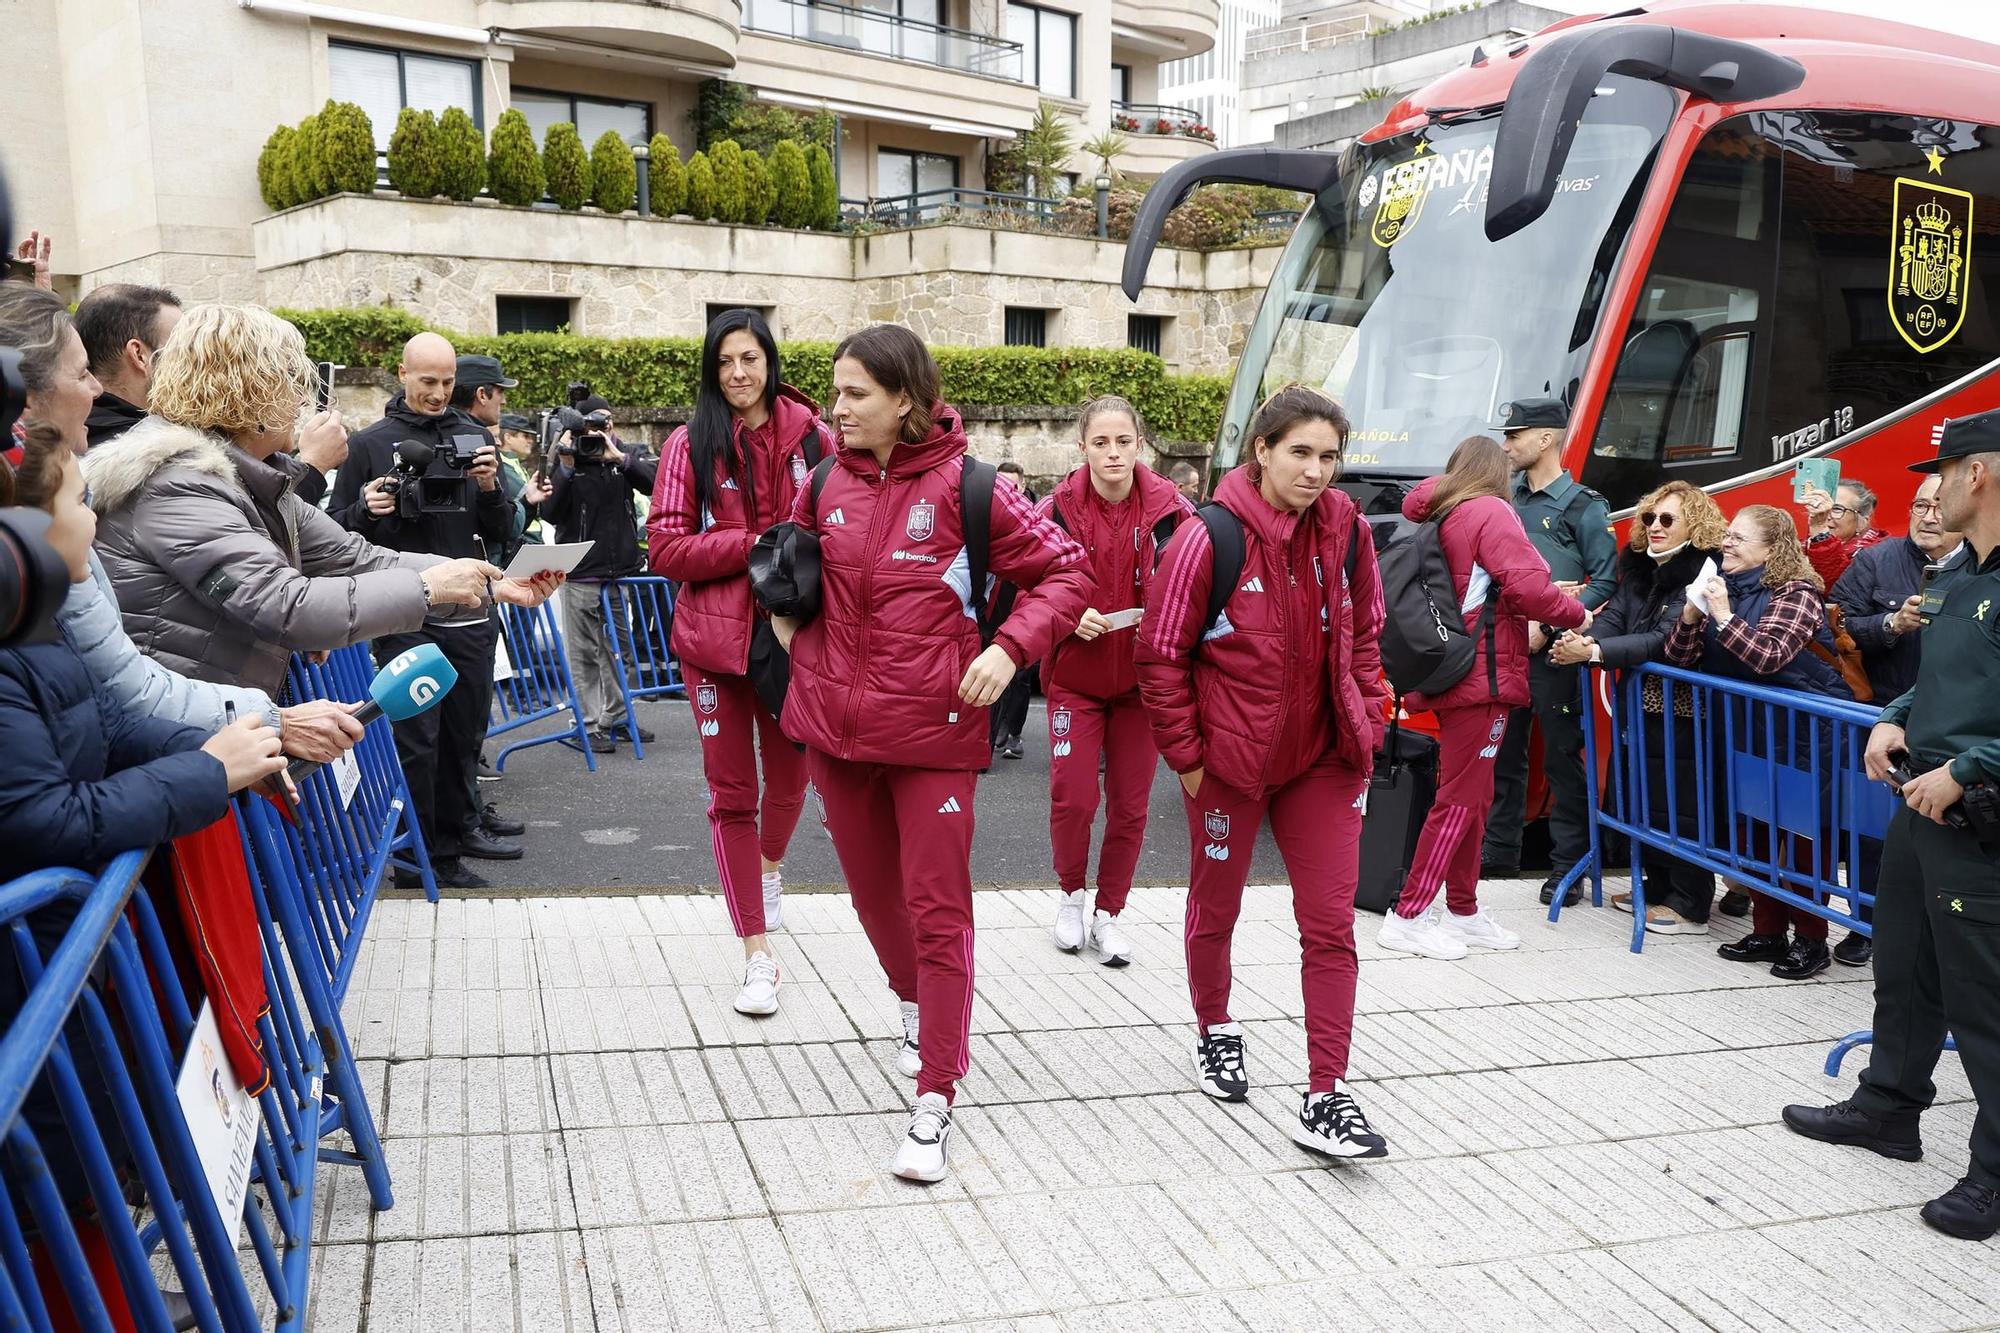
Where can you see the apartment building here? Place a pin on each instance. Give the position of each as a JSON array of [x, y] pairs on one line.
[[133, 126], [1208, 85]]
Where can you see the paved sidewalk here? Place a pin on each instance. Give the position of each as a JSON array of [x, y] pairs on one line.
[[586, 1136]]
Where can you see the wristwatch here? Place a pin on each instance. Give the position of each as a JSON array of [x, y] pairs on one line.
[[1889, 626]]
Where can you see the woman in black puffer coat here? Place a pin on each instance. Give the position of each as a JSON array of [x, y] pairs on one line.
[[1677, 528]]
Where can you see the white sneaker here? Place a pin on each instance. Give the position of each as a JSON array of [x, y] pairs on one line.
[[908, 1062], [1420, 935], [1109, 940], [925, 1143], [1478, 931], [774, 899], [1069, 923], [760, 986]]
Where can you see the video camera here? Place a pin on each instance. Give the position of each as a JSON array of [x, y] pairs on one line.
[[574, 434], [417, 492]]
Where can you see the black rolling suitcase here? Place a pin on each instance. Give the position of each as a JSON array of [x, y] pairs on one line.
[[1399, 799]]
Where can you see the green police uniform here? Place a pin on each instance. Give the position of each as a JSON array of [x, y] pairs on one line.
[[1937, 910], [1571, 526]]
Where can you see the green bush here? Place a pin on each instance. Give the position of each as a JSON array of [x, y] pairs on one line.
[[413, 154], [307, 177], [669, 180], [825, 189], [717, 104], [663, 372], [614, 173], [515, 169], [700, 188], [732, 181], [791, 182], [274, 169], [347, 147], [567, 166], [461, 154], [762, 193]]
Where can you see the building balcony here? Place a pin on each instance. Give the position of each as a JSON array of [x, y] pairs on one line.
[[701, 31], [862, 62], [876, 33], [1173, 29], [1148, 154]]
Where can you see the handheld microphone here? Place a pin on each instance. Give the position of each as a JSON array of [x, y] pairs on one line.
[[411, 683]]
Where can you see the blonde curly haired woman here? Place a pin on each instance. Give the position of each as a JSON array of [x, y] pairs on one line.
[[221, 571]]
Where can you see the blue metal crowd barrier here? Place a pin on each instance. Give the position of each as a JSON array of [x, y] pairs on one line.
[[98, 1036], [639, 617], [538, 686], [1779, 796]]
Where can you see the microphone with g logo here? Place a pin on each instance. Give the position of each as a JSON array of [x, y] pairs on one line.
[[411, 683]]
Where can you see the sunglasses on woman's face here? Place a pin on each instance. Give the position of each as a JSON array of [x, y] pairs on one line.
[[1652, 518]]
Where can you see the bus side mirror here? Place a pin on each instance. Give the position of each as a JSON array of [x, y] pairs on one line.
[[1559, 79], [1287, 168]]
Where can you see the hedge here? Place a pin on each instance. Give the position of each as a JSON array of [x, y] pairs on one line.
[[669, 179], [567, 166], [663, 372], [461, 153], [614, 174], [414, 168], [514, 167]]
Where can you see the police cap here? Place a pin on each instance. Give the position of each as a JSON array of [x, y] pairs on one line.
[[1959, 436], [1533, 413], [475, 371]]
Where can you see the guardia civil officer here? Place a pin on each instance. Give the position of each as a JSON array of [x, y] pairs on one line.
[[1569, 524], [1937, 914]]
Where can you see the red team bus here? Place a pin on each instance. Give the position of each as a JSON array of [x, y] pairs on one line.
[[1729, 236]]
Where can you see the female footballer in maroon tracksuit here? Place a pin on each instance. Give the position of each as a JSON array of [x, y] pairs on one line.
[[890, 688], [1490, 556], [1275, 712], [1118, 510], [726, 476]]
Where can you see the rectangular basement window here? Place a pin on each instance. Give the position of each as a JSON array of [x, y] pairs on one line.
[[533, 314]]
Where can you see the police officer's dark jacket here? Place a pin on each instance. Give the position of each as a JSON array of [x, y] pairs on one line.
[[1952, 715], [484, 528]]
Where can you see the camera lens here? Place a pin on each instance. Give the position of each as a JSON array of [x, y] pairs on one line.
[[33, 578]]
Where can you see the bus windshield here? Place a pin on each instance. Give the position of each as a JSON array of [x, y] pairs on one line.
[[1391, 298]]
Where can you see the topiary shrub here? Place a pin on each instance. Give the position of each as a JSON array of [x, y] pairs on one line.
[[614, 173], [700, 188], [413, 154], [307, 178], [732, 181], [514, 170], [825, 191], [762, 194], [274, 169], [461, 156], [1209, 220], [669, 177], [347, 147], [791, 183], [567, 166]]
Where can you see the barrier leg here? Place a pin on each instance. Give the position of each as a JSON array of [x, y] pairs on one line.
[[1865, 1037], [607, 606], [1587, 866]]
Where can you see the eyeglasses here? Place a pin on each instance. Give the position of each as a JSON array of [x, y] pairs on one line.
[[1732, 539], [1926, 508], [1840, 511], [1653, 518]]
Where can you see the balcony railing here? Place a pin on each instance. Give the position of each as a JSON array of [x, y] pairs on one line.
[[1307, 36], [873, 32], [954, 203], [1152, 118]]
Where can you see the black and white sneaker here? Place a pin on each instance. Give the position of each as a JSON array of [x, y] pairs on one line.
[[1218, 1063], [1330, 1123]]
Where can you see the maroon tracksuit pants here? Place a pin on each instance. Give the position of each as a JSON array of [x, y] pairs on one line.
[[734, 726], [904, 839], [1080, 729], [1316, 822], [1447, 853]]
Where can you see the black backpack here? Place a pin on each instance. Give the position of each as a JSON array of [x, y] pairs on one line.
[[1225, 540], [976, 480], [1425, 646]]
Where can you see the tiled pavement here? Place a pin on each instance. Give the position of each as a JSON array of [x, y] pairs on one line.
[[585, 1136]]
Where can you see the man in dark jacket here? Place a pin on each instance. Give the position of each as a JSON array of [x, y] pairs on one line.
[[1570, 528], [1010, 713], [122, 326], [466, 513], [590, 499], [1879, 595]]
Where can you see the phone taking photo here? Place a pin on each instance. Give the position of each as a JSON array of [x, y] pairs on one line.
[[323, 397]]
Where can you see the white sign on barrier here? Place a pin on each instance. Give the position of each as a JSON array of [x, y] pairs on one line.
[[347, 776], [222, 1119], [503, 665]]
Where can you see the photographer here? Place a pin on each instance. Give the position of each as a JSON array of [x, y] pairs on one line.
[[481, 395], [1937, 914], [591, 488], [427, 478]]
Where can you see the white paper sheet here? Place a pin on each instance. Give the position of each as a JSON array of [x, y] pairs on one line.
[[1701, 578], [1125, 619], [562, 558]]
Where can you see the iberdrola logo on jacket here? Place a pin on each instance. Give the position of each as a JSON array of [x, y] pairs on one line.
[[922, 520]]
